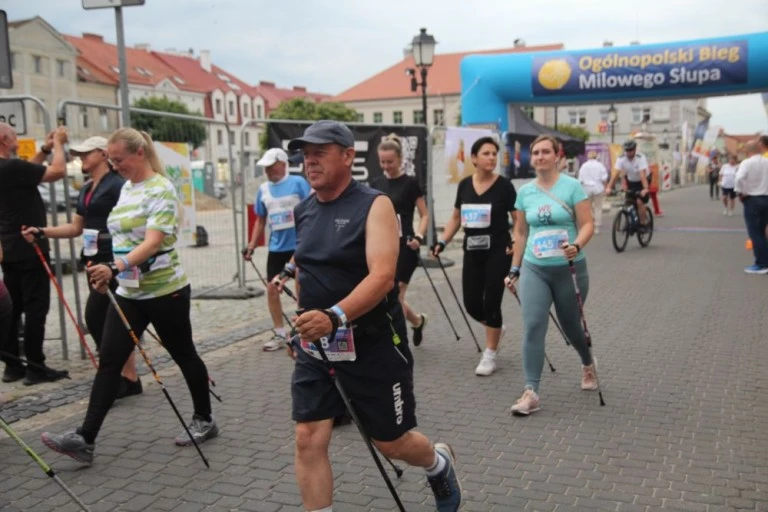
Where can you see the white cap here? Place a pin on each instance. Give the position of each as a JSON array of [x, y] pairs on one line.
[[90, 144], [272, 156]]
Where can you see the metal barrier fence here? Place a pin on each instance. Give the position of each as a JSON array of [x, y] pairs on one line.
[[214, 268], [42, 119]]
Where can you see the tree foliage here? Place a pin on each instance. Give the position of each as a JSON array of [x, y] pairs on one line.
[[302, 109], [574, 131], [168, 129]]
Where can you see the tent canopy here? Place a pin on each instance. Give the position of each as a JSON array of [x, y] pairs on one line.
[[522, 125]]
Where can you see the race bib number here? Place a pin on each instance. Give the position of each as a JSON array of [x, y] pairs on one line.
[[129, 278], [549, 243], [281, 218], [341, 348], [475, 215]]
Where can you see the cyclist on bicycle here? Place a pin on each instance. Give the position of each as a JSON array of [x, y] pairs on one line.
[[633, 168]]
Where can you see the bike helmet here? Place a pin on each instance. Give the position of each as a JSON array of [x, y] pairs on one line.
[[630, 145]]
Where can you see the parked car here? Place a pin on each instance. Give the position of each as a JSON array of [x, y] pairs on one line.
[[45, 193]]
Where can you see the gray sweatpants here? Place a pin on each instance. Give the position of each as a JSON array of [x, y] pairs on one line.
[[540, 286]]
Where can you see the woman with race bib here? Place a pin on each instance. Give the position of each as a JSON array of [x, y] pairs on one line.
[[483, 205], [553, 223], [152, 288]]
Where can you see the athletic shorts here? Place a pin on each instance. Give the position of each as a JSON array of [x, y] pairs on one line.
[[406, 262], [379, 384], [276, 261], [637, 186], [729, 192]]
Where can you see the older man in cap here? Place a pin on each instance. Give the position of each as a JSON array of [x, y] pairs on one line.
[[275, 201], [346, 255], [23, 272], [751, 183]]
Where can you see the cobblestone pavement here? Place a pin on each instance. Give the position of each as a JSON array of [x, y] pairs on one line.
[[678, 328]]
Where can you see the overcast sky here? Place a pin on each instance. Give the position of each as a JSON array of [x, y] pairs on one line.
[[330, 45]]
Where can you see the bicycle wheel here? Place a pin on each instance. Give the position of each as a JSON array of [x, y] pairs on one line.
[[645, 234], [620, 233]]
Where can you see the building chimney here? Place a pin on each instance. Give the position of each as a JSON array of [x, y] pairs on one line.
[[205, 60], [262, 83], [93, 37], [607, 44], [299, 88], [143, 46]]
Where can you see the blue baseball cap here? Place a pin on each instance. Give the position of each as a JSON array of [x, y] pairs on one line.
[[324, 132]]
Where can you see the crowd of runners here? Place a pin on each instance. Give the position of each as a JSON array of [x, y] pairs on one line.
[[346, 252]]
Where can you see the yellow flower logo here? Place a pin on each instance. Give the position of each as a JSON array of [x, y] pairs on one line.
[[554, 74]]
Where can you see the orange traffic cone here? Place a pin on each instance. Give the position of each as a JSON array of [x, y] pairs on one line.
[[748, 244]]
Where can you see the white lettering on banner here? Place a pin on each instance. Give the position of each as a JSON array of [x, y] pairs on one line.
[[397, 395], [679, 75]]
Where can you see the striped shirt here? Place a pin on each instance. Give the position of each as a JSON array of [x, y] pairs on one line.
[[151, 204]]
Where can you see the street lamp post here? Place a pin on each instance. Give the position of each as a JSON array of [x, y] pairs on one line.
[[612, 118]]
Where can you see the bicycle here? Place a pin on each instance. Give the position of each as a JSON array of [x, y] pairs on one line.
[[627, 224]]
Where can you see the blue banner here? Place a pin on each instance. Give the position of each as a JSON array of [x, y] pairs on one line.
[[681, 66]]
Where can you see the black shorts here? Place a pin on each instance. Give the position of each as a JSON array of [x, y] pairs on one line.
[[729, 192], [406, 262], [379, 384], [276, 261], [637, 186]]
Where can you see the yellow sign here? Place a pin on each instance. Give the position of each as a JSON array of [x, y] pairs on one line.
[[27, 149]]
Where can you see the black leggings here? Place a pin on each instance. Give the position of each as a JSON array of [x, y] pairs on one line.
[[483, 283], [96, 312], [714, 189], [169, 315]]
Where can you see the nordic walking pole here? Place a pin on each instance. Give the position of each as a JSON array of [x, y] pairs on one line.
[[434, 289], [136, 342], [348, 405], [157, 339], [439, 262], [264, 282], [588, 336], [64, 373], [64, 301], [514, 292], [48, 470]]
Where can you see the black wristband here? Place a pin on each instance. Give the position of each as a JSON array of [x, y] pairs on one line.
[[113, 267], [514, 274], [419, 238], [40, 234], [285, 273]]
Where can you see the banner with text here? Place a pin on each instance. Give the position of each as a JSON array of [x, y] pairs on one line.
[[175, 158]]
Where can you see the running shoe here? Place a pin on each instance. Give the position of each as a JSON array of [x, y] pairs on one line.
[[589, 376], [201, 431], [274, 343], [418, 332], [487, 366], [527, 403], [445, 486], [129, 387], [756, 269], [70, 444]]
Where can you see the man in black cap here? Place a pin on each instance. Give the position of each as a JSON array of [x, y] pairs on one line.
[[346, 256]]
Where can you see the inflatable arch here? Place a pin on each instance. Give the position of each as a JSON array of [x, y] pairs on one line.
[[705, 67]]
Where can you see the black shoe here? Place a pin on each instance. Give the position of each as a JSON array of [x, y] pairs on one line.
[[340, 421], [43, 374], [129, 387], [418, 332], [13, 373]]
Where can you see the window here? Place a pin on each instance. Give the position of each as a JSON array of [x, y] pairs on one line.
[[258, 111], [14, 62], [218, 108], [61, 68], [104, 119], [360, 117], [397, 117], [418, 117], [84, 117], [377, 117], [637, 115], [38, 63], [439, 116], [219, 137], [582, 117], [246, 111], [646, 114], [247, 139], [231, 138], [528, 111], [573, 117], [231, 107], [604, 115]]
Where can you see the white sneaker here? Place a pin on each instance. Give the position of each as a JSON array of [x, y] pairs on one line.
[[730, 213], [273, 343], [486, 367], [527, 403], [725, 212]]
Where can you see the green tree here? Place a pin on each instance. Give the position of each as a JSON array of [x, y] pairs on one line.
[[573, 131], [302, 109], [168, 129]]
